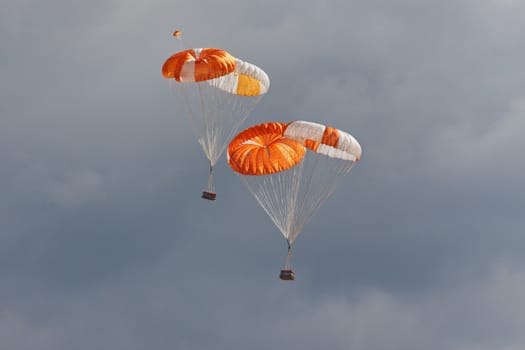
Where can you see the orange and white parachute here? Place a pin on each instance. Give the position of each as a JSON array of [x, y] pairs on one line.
[[219, 68], [291, 169], [217, 92]]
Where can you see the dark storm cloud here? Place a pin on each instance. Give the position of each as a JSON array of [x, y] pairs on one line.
[[105, 243]]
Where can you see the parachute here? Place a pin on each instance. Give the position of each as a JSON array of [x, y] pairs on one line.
[[291, 170], [216, 92]]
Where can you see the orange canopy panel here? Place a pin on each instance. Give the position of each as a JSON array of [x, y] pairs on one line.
[[196, 65], [262, 149]]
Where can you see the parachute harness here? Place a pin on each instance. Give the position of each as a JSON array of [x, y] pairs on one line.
[[211, 188], [288, 259]]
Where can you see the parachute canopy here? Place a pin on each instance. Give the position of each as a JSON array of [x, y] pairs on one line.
[[207, 64], [272, 147]]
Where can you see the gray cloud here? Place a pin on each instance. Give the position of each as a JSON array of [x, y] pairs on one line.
[[105, 243]]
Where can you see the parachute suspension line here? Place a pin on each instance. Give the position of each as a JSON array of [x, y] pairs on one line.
[[215, 116], [204, 139], [241, 106], [324, 175], [291, 197], [223, 121], [293, 229], [184, 96], [310, 198], [271, 194], [215, 121], [279, 195], [202, 108]]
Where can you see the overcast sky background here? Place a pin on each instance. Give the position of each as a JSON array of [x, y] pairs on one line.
[[105, 242]]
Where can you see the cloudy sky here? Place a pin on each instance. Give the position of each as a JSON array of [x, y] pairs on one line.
[[106, 244]]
